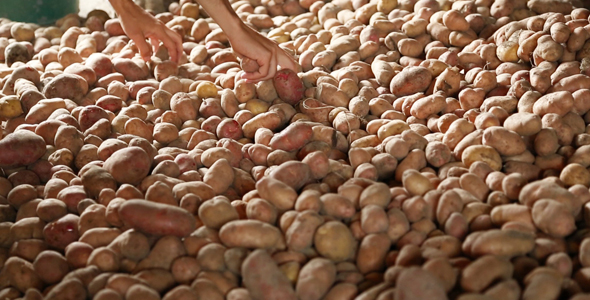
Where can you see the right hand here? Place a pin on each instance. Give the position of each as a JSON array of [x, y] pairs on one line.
[[249, 44]]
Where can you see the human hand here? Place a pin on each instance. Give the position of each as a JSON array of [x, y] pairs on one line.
[[251, 45], [140, 25]]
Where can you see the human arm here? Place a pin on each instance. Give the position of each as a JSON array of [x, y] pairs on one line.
[[248, 43], [140, 25]]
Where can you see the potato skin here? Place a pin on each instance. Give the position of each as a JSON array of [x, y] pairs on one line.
[[156, 218], [289, 86]]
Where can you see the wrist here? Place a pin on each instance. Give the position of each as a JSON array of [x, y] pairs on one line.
[[122, 7]]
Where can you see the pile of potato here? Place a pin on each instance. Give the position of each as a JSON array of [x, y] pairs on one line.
[[429, 149]]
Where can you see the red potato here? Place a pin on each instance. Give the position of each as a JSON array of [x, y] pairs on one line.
[[156, 218], [89, 115], [62, 232], [292, 138], [229, 128], [21, 148], [289, 86]]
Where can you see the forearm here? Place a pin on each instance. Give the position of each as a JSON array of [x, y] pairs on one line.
[[122, 6], [223, 14]]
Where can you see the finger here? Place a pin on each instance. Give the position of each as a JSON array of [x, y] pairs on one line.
[[262, 71], [155, 44], [144, 49], [161, 35], [177, 40], [173, 48], [272, 68], [288, 62]]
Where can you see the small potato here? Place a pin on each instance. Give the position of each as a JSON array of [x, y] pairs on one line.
[[251, 234]]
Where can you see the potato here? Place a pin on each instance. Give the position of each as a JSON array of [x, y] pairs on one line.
[[21, 148], [22, 274], [16, 52], [164, 219], [308, 285], [295, 174], [162, 254], [133, 70], [219, 176], [483, 271], [251, 234], [504, 141], [372, 252], [410, 81], [10, 107], [263, 278], [420, 284], [61, 232], [51, 266], [281, 195], [561, 221], [516, 243], [482, 153], [292, 138], [67, 86], [288, 86], [128, 165], [334, 241]]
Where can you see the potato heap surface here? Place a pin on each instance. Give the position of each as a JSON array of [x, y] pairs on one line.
[[427, 150]]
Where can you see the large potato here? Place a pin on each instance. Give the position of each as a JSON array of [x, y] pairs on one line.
[[410, 81], [21, 148], [156, 218]]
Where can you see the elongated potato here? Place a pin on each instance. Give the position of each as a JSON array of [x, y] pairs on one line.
[[155, 218]]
